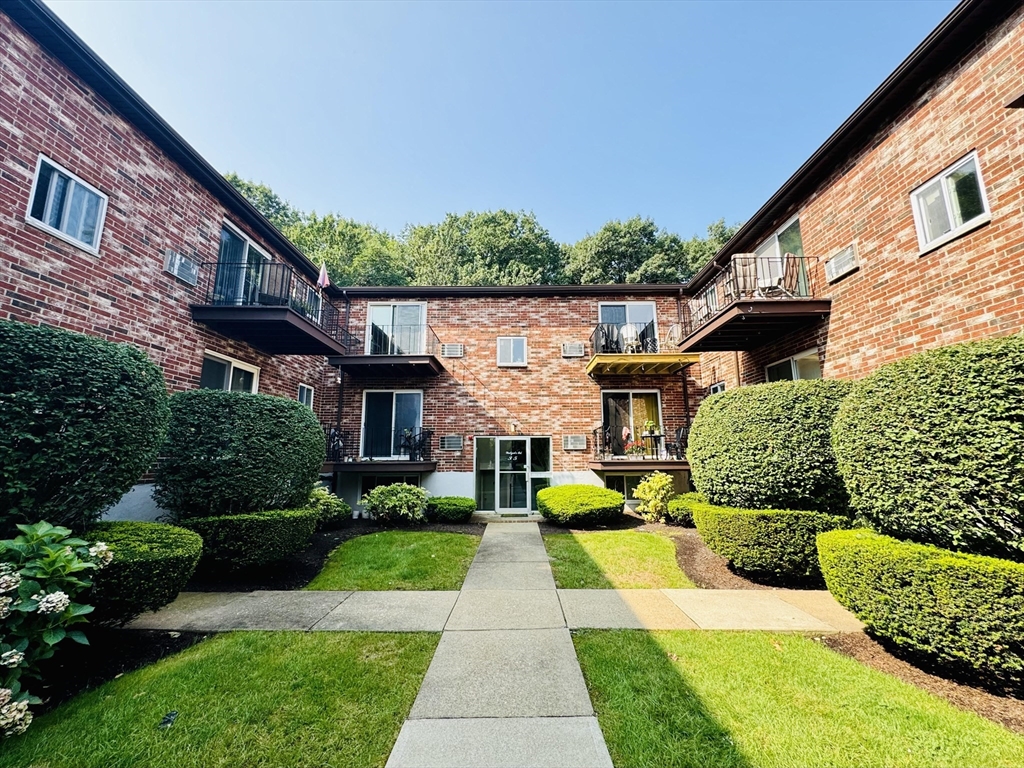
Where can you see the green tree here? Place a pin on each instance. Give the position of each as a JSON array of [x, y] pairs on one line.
[[355, 253], [280, 213]]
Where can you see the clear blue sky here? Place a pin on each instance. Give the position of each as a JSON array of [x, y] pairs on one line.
[[395, 113]]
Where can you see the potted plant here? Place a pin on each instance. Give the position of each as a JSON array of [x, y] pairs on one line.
[[635, 448], [651, 427]]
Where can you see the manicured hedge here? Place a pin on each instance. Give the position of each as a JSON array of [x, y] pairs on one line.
[[966, 611], [235, 453], [396, 503], [81, 420], [932, 447], [679, 512], [450, 509], [769, 446], [580, 505], [772, 544], [236, 541], [332, 511], [152, 563]]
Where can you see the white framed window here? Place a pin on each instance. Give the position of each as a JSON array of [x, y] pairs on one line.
[[512, 351], [770, 255], [950, 204], [306, 395], [392, 423], [626, 483], [396, 329], [66, 206], [628, 326], [221, 372], [806, 365], [718, 386]]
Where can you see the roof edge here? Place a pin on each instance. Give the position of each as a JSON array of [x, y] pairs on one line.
[[484, 291]]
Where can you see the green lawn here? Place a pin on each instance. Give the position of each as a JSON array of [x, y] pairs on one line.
[[243, 699], [399, 560], [674, 699], [614, 560]]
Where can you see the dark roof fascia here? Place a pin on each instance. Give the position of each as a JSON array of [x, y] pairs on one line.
[[57, 38], [510, 291], [942, 50]]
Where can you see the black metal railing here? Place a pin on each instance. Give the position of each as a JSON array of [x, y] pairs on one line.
[[268, 284], [625, 338], [750, 277], [390, 340], [377, 444], [614, 442]]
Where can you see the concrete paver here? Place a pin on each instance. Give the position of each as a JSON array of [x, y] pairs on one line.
[[538, 742], [524, 529], [183, 608], [743, 609], [391, 612], [498, 575], [821, 605], [511, 548], [506, 609], [621, 608], [263, 610]]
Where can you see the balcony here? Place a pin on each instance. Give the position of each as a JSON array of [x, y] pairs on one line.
[[390, 350], [634, 348], [269, 306], [665, 452], [375, 450], [752, 301]]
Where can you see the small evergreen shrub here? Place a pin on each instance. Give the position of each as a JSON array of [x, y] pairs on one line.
[[965, 611], [450, 509], [655, 492], [332, 510], [231, 542], [770, 544], [580, 505], [151, 564], [397, 503], [932, 447], [769, 447], [81, 420], [679, 509], [230, 453]]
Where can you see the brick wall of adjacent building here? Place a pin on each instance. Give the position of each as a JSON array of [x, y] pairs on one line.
[[122, 294], [901, 301], [552, 395]]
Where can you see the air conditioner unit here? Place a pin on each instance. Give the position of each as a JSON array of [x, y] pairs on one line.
[[573, 349], [181, 267], [451, 442], [843, 263], [453, 350], [574, 442]]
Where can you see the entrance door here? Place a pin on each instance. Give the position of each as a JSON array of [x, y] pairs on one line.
[[512, 475]]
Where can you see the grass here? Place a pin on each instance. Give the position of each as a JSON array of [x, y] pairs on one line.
[[689, 699], [614, 560], [245, 699], [399, 560]]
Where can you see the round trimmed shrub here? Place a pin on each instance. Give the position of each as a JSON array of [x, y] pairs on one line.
[[770, 544], [769, 446], [450, 509], [151, 565], [580, 505], [932, 447], [332, 510], [397, 503], [965, 611], [81, 420], [231, 542], [230, 453]]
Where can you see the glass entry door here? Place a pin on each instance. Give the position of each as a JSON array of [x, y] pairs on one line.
[[512, 466], [510, 471]]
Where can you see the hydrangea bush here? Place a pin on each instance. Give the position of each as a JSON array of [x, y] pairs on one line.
[[42, 572]]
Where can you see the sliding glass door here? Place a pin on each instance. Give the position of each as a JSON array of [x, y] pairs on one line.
[[390, 419], [395, 329], [626, 415]]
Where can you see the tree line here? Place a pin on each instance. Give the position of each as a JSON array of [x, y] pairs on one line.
[[486, 248]]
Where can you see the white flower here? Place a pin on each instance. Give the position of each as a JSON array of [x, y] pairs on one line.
[[11, 658], [9, 582], [55, 602], [101, 552], [5, 695], [5, 608], [14, 718]]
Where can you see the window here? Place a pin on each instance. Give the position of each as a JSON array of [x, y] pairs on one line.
[[243, 275], [770, 257], [950, 204], [306, 395], [626, 484], [641, 336], [228, 374], [392, 423], [368, 482], [627, 416], [512, 351], [510, 471], [66, 206], [718, 386], [396, 329], [803, 366]]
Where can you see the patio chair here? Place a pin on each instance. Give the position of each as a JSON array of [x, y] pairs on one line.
[[744, 267], [791, 275], [274, 285], [677, 446], [630, 339], [769, 275]]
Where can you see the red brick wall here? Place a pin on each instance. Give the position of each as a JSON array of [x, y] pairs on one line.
[[901, 301], [551, 396], [122, 294]]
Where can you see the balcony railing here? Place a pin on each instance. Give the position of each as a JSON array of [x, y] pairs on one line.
[[377, 444], [749, 277], [626, 338], [267, 284], [610, 445], [392, 340]]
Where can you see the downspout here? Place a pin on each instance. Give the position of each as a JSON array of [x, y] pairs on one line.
[[736, 367]]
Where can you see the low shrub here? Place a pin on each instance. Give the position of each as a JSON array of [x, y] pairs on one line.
[[965, 611], [397, 503], [580, 505], [770, 447], [231, 542], [768, 544], [450, 509], [82, 420], [655, 492], [151, 564], [235, 453], [930, 447], [332, 510], [679, 509]]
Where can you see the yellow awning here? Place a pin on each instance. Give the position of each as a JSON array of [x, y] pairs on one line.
[[652, 364]]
